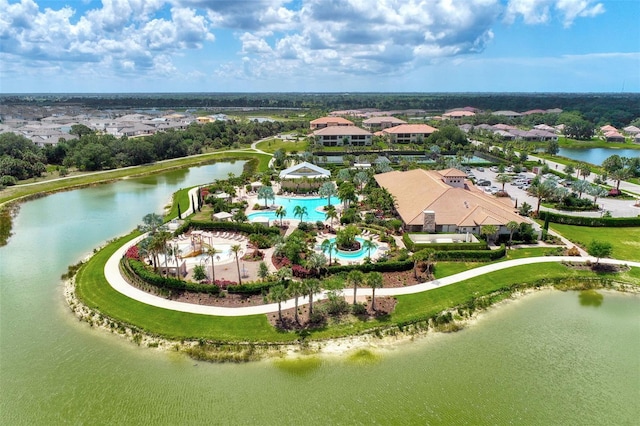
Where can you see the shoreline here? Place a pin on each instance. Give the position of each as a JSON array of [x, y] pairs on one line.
[[374, 341]]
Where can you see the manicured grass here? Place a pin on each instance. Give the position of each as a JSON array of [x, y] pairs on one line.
[[444, 269], [625, 241], [520, 253], [95, 292], [423, 305], [271, 145], [180, 197]]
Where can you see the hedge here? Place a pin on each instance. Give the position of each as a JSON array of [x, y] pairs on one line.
[[442, 246], [590, 221], [471, 255], [247, 228], [392, 266], [252, 288], [140, 270]]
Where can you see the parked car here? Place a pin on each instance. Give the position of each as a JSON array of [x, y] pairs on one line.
[[480, 169], [484, 182], [494, 169]]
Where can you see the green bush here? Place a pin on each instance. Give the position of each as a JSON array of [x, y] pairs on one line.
[[590, 221], [252, 288], [471, 255], [392, 266], [247, 228], [142, 272]]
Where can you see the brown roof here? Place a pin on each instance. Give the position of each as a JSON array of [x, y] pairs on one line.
[[332, 120], [418, 190], [424, 129], [341, 131], [453, 172]]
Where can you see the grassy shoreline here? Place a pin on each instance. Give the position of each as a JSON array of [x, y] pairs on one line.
[[252, 337]]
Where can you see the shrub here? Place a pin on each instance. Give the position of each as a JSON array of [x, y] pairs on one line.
[[471, 255], [392, 266], [591, 221], [442, 246], [249, 289], [141, 271], [359, 309]]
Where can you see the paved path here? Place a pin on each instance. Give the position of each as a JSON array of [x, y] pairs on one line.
[[115, 279]]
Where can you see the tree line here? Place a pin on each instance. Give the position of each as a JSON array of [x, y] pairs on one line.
[[21, 159]]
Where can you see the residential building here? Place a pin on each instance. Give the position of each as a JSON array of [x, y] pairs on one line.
[[342, 136], [381, 123], [321, 123], [409, 133]]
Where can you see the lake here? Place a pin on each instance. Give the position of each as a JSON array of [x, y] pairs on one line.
[[596, 155], [544, 359]]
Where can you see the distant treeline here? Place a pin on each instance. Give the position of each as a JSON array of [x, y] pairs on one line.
[[599, 108], [21, 159]]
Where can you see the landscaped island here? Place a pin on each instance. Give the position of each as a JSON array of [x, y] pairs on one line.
[[263, 283]]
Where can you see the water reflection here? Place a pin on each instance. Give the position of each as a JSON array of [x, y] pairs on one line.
[[590, 298]]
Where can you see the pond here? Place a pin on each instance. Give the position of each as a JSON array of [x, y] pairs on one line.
[[596, 155], [545, 359]]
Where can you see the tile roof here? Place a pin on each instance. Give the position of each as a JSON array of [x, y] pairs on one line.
[[331, 120], [418, 190], [383, 119], [424, 129], [340, 131]]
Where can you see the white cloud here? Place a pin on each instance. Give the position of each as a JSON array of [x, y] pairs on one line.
[[541, 11]]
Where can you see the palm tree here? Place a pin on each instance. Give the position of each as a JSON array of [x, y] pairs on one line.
[[542, 191], [374, 280], [266, 192], [328, 190], [596, 191], [328, 246], [422, 256], [512, 227], [355, 278], [175, 250], [151, 223], [295, 290], [619, 175], [368, 245], [503, 179], [236, 249], [331, 214], [488, 231], [211, 252], [347, 193], [281, 212], [278, 294], [581, 186], [584, 170], [300, 211], [316, 262], [311, 287]]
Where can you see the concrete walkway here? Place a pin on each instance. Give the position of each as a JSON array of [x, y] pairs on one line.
[[115, 279]]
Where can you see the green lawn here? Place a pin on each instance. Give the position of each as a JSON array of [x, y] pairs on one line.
[[423, 305], [95, 292], [625, 241], [271, 145]]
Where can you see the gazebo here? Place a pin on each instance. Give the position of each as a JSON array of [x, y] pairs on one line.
[[303, 175], [222, 216]]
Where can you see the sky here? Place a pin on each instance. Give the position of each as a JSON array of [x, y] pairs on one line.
[[133, 46]]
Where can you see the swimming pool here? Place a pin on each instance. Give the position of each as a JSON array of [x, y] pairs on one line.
[[356, 256], [289, 204]]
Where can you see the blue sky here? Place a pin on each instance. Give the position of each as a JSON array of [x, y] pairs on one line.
[[319, 46]]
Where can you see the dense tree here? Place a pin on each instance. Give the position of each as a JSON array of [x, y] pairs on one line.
[[552, 147]]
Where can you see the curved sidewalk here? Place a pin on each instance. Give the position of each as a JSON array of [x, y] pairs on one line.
[[115, 279]]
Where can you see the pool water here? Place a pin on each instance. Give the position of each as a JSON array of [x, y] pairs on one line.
[[356, 256], [312, 204]]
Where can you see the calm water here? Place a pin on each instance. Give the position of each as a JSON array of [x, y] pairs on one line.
[[596, 155], [546, 359], [312, 204]]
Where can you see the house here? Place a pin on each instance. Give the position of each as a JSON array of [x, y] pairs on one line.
[[608, 128], [445, 201], [381, 123], [321, 123], [614, 136], [631, 130], [458, 114], [409, 133], [342, 136], [508, 114]]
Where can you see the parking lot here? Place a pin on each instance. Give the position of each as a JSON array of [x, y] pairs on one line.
[[618, 208]]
